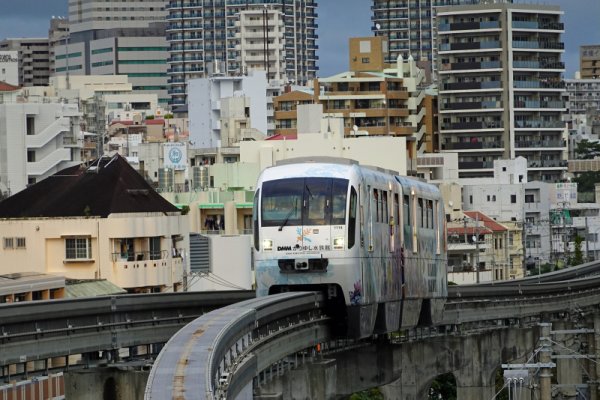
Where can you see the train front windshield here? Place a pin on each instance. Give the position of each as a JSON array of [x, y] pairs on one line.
[[304, 201]]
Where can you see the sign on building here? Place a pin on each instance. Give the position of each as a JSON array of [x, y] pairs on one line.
[[175, 156], [9, 67]]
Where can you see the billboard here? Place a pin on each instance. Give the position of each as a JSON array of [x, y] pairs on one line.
[[175, 156]]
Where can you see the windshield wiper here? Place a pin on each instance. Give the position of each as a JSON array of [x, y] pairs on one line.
[[289, 214]]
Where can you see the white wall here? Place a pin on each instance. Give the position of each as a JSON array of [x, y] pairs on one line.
[[230, 265]]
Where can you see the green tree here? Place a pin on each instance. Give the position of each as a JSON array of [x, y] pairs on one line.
[[587, 150], [586, 181], [578, 256], [443, 387], [371, 394]]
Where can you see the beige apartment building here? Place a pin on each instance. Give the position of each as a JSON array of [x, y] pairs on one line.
[[102, 221]]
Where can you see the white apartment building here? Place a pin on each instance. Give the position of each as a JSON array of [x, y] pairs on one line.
[[39, 136], [34, 59], [410, 27], [500, 78], [233, 37], [204, 106]]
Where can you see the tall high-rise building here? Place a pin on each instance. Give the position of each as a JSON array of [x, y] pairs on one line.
[[589, 61], [34, 61], [410, 28], [233, 37], [122, 38], [92, 15], [501, 87]]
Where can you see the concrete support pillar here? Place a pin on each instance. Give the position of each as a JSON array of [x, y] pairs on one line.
[[402, 390], [545, 357], [313, 380], [475, 393], [568, 370], [594, 341]]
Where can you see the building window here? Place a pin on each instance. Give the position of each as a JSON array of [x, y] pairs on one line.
[[365, 60], [20, 242], [78, 248], [529, 198], [154, 245], [513, 198], [8, 243]]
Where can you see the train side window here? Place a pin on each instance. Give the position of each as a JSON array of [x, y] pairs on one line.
[[376, 201], [420, 212], [255, 220], [384, 207], [352, 218], [396, 211], [430, 213], [406, 210]]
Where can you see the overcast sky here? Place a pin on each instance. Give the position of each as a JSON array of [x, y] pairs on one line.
[[338, 20]]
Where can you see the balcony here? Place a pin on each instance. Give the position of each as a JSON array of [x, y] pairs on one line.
[[475, 164], [491, 44], [552, 26], [539, 65], [476, 125], [499, 145], [467, 26], [471, 66], [539, 124], [547, 163], [477, 105], [525, 44], [472, 85], [538, 85], [540, 143]]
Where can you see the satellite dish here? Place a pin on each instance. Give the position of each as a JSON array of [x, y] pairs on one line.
[[450, 203], [377, 26]]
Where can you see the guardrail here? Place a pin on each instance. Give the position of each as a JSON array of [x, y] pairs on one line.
[[218, 354], [37, 330]]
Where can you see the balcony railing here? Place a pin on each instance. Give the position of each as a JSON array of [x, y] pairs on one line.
[[546, 163], [140, 256], [476, 125], [472, 145], [475, 164], [540, 143], [530, 44], [472, 85], [539, 124]]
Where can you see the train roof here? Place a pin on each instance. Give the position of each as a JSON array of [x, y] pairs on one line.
[[336, 167]]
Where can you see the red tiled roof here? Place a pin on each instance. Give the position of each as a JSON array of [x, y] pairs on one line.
[[7, 87], [470, 230], [292, 136], [487, 221]]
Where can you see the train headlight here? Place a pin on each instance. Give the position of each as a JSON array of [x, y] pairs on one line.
[[267, 245], [338, 243]]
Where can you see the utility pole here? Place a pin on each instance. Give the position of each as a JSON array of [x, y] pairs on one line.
[[587, 241], [477, 244]]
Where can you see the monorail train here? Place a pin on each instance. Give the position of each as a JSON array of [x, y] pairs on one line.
[[373, 241]]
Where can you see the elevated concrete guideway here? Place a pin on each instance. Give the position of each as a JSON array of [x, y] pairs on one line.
[[267, 343]]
